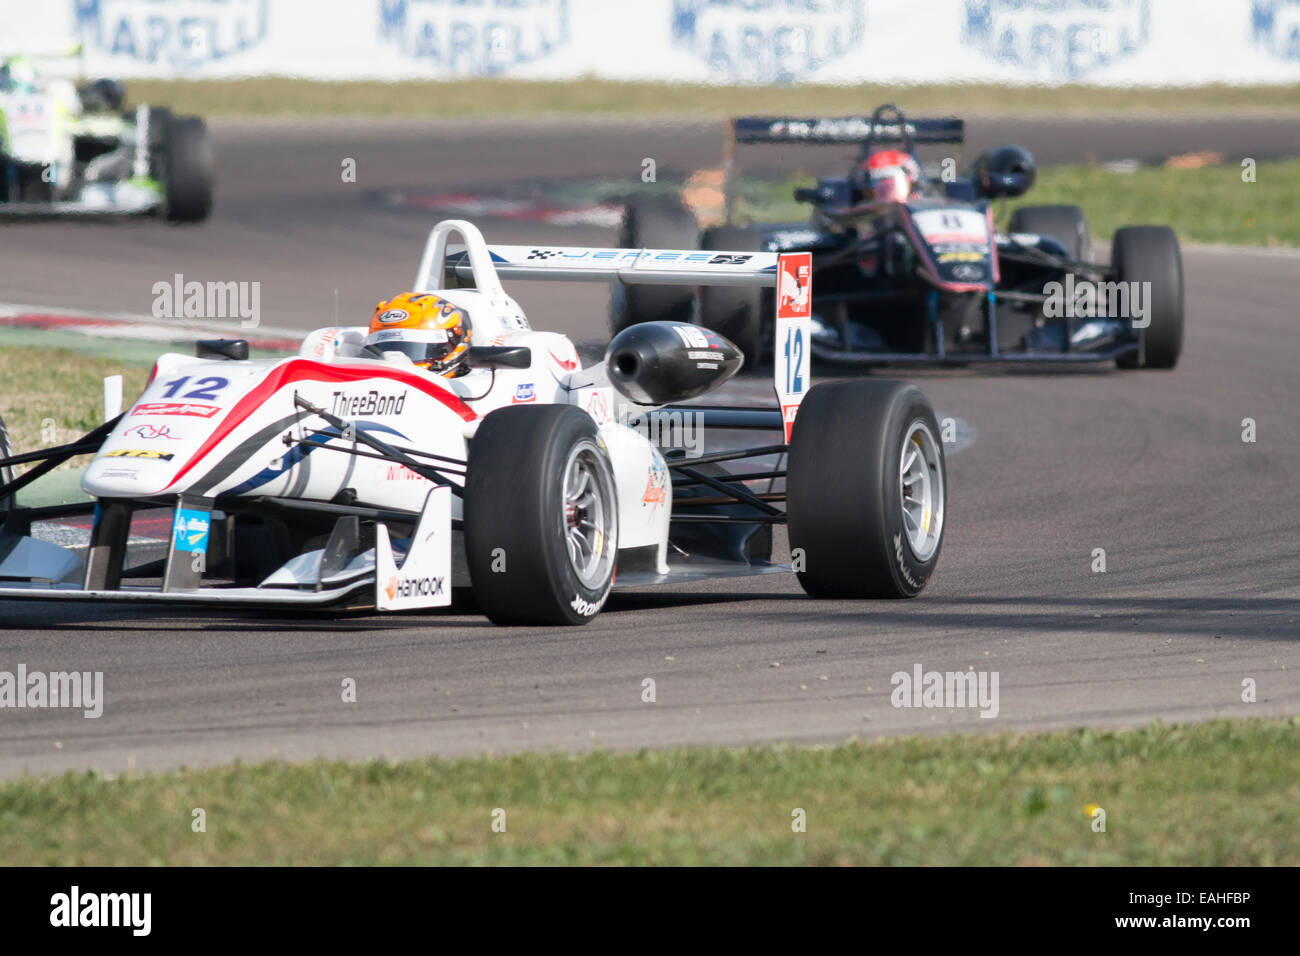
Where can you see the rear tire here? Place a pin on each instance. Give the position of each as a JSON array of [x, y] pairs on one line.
[[188, 169], [846, 488], [1151, 254], [736, 313], [1066, 224], [654, 222], [539, 484]]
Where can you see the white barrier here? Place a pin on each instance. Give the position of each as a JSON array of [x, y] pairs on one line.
[[1105, 42]]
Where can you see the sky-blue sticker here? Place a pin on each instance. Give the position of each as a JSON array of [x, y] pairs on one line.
[[190, 530]]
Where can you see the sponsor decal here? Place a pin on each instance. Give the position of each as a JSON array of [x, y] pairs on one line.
[[372, 402], [128, 473], [190, 530], [792, 368], [182, 33], [428, 586], [483, 38], [1058, 39], [150, 432], [794, 293], [176, 408], [567, 364], [767, 41], [636, 255], [401, 473], [968, 272], [584, 607], [394, 315], [902, 564], [595, 404], [326, 341], [656, 486], [692, 337], [524, 392], [147, 453], [961, 257], [952, 226]]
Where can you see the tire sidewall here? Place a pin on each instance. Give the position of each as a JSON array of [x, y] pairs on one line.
[[580, 602], [911, 574]]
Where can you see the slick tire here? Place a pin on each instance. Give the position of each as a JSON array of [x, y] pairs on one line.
[[1066, 224], [1151, 254], [189, 166], [866, 488], [740, 314], [654, 222], [541, 516]]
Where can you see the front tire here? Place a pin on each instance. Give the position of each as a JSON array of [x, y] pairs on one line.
[[541, 516], [1066, 224], [1151, 254], [866, 490]]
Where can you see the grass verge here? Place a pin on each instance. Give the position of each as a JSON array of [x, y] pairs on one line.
[[1210, 204], [49, 396], [283, 96], [1220, 793]]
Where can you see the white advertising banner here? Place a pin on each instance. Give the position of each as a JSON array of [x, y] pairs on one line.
[[1105, 42]]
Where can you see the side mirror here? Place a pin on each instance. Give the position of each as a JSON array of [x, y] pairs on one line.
[[235, 350], [1008, 171]]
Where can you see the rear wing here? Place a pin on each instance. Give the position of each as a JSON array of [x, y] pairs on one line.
[[627, 266], [847, 129], [445, 267], [833, 131], [789, 275]]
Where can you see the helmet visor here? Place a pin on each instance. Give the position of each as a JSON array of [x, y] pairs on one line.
[[427, 347]]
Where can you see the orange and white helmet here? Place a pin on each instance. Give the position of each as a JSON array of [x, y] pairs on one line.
[[428, 329], [892, 174]]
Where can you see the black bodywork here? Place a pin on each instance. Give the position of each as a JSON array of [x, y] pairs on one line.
[[893, 284]]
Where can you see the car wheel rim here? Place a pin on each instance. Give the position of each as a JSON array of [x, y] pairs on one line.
[[589, 515], [920, 490]]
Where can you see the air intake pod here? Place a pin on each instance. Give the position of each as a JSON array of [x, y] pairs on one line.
[[656, 363]]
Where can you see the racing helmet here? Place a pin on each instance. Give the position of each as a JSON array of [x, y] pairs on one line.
[[891, 174], [429, 330]]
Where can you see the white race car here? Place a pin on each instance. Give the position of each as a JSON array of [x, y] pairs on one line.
[[71, 150], [343, 477]]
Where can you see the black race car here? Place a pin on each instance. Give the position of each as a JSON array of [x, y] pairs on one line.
[[925, 278]]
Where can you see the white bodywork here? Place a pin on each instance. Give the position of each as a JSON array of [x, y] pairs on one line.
[[206, 428]]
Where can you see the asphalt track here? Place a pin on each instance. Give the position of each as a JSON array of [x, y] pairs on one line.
[[1200, 529]]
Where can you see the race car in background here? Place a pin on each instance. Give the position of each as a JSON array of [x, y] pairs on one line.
[[923, 277], [68, 149], [348, 476]]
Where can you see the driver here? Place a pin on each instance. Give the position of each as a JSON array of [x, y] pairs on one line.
[[891, 175], [429, 330]]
